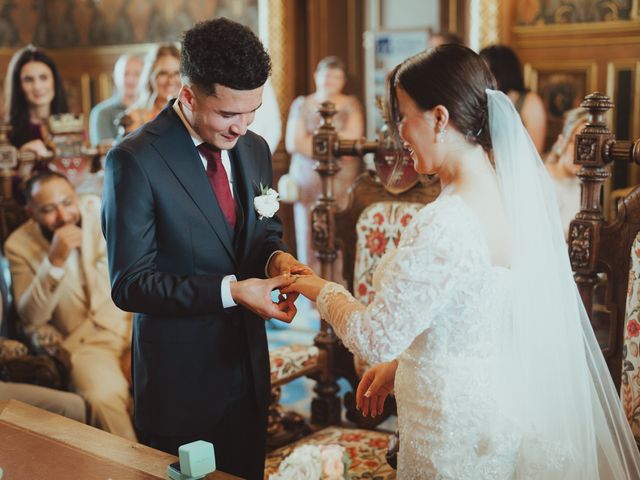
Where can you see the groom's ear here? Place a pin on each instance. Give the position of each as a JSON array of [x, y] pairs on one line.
[[187, 97]]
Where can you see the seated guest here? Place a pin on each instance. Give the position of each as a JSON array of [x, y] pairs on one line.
[[102, 121], [159, 83], [34, 92], [59, 267], [505, 66], [563, 171], [69, 404]]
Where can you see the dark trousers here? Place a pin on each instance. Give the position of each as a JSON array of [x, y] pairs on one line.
[[239, 440]]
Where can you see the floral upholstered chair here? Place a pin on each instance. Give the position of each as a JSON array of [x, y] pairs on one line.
[[630, 382], [287, 363], [378, 229]]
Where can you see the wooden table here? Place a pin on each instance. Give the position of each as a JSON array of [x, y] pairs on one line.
[[36, 444]]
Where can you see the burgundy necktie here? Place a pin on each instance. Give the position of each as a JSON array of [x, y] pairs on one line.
[[219, 181]]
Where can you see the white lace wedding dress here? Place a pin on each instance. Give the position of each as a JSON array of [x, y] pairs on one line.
[[438, 303]]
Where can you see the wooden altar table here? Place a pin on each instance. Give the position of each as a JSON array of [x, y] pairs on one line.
[[36, 444]]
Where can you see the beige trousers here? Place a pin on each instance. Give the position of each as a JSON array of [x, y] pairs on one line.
[[63, 403], [97, 376]]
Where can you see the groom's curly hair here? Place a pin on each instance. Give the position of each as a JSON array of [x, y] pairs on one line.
[[223, 52]]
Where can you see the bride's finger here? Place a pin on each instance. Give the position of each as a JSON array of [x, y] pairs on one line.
[[292, 296], [363, 386], [365, 407], [381, 399], [290, 289], [302, 270]]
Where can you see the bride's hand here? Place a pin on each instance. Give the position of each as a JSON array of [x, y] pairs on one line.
[[307, 285], [374, 387]]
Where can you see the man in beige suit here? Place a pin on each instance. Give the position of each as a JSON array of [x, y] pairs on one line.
[[59, 267]]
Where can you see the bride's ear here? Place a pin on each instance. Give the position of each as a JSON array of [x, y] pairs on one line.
[[440, 122], [441, 116]]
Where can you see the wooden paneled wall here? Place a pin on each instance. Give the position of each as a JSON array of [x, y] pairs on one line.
[[566, 59], [85, 37]]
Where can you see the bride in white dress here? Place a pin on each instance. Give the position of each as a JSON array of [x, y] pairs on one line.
[[477, 323]]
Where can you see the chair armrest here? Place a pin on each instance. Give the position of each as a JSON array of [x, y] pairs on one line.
[[45, 336], [10, 349]]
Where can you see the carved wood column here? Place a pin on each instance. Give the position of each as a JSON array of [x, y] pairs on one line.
[[327, 150], [325, 408], [591, 144]]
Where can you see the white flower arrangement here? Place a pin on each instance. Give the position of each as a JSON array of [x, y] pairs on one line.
[[266, 204], [314, 462]]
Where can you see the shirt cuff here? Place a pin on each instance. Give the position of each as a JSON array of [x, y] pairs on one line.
[[266, 267], [225, 291], [55, 272]]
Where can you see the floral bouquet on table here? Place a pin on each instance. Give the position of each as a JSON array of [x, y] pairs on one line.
[[315, 462]]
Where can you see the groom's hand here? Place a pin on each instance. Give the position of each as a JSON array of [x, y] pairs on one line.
[[283, 263], [255, 294]]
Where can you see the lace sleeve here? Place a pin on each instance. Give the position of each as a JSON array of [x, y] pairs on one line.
[[424, 279]]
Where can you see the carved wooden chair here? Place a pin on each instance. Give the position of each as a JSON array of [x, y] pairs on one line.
[[288, 363], [366, 448], [605, 255], [380, 205]]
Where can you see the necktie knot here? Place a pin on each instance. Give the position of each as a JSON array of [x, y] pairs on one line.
[[212, 154]]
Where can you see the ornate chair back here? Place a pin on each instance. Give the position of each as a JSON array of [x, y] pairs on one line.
[[605, 254], [372, 223]]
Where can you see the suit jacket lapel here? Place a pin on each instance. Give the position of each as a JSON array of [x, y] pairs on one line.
[[242, 156], [177, 150]]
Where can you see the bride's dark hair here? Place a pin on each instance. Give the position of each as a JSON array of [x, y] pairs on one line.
[[450, 75]]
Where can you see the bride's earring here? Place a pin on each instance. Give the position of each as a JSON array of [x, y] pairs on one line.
[[440, 134]]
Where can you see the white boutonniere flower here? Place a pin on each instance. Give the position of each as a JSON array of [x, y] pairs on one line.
[[267, 203]]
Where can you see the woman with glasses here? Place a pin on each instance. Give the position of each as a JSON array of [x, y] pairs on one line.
[[159, 83]]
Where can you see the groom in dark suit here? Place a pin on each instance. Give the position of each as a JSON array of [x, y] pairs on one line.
[[186, 250]]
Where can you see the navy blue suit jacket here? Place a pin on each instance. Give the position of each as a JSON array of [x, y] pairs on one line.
[[169, 247]]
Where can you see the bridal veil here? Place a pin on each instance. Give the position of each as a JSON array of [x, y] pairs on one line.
[[551, 380]]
